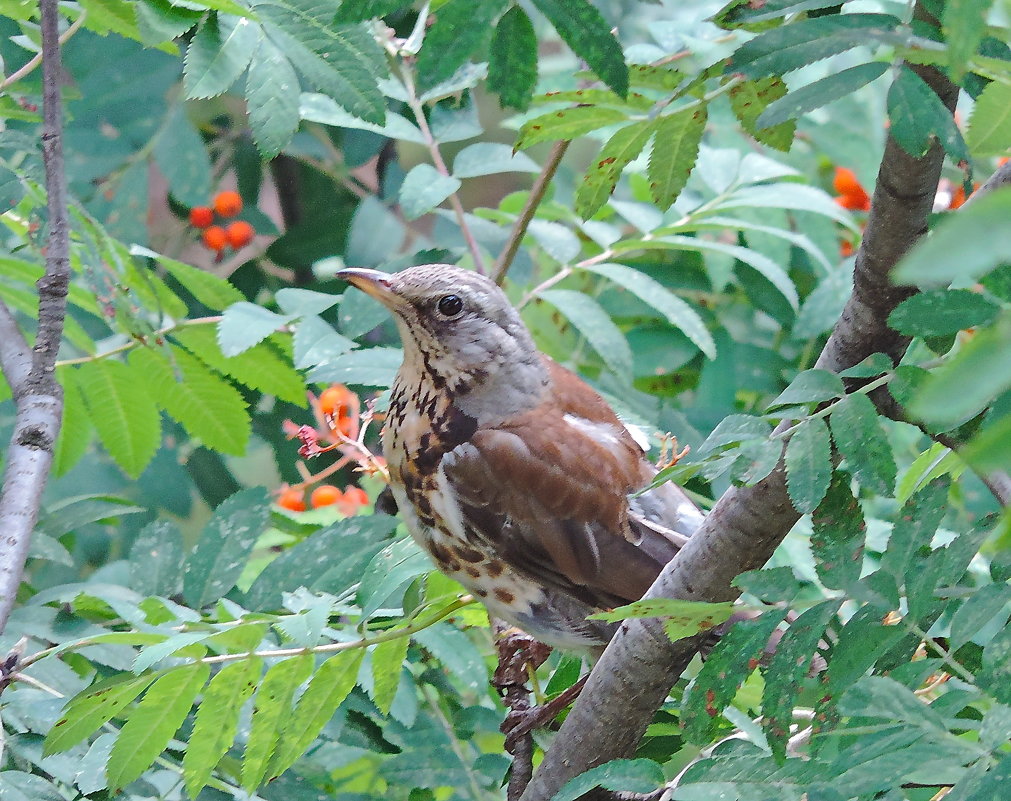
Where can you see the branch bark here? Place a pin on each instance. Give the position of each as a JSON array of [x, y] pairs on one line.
[[640, 665], [31, 372]]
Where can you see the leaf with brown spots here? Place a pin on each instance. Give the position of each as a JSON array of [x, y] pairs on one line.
[[675, 149], [602, 175]]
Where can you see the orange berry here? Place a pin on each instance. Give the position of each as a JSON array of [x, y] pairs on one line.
[[354, 498], [228, 203], [1003, 160], [325, 495], [846, 249], [292, 499], [855, 202], [240, 233], [845, 181], [215, 237], [339, 406], [201, 216]]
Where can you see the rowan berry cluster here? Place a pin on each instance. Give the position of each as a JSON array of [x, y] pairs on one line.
[[236, 234], [347, 502]]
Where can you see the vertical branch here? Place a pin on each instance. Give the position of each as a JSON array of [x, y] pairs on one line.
[[32, 373]]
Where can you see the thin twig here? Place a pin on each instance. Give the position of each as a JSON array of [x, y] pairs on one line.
[[35, 60]]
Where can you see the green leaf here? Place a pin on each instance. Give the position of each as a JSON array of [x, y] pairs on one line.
[[160, 22], [988, 451], [786, 671], [978, 610], [627, 775], [810, 386], [122, 411], [214, 292], [808, 465], [512, 62], [934, 462], [860, 440], [786, 196], [584, 30], [153, 722], [244, 325], [970, 380], [943, 256], [368, 367], [332, 683], [260, 367], [94, 707], [272, 98], [820, 93], [387, 663], [316, 342], [801, 43], [918, 116], [941, 312], [225, 543], [304, 302], [181, 156], [156, 559], [681, 618], [460, 28], [423, 189], [218, 54], [362, 10], [964, 25], [605, 170], [271, 712], [217, 720], [590, 320], [675, 150], [16, 785], [990, 123], [491, 158], [209, 408], [750, 98], [731, 661], [322, 109], [738, 14], [394, 566], [676, 311], [75, 427], [995, 677], [454, 649], [837, 538], [914, 527], [567, 123]]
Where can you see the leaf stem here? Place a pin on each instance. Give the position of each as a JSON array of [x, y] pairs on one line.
[[133, 343]]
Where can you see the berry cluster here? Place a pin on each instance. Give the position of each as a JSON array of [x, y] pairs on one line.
[[852, 195], [347, 502], [236, 234]]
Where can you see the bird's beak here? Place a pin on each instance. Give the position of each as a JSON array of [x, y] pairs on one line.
[[371, 282]]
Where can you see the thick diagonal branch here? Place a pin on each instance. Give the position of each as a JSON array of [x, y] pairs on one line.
[[746, 525], [31, 372]]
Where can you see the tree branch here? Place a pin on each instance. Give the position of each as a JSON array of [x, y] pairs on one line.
[[641, 664], [32, 378]]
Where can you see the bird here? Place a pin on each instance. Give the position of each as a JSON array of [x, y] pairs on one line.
[[514, 474]]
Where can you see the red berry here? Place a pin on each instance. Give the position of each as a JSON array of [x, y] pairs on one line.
[[325, 495], [215, 237], [240, 233], [292, 499], [228, 203], [201, 216]]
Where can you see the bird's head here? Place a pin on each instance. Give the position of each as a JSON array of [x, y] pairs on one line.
[[460, 332]]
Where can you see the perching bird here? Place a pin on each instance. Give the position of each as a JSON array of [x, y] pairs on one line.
[[510, 470]]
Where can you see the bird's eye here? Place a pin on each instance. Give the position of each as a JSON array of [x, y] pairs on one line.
[[450, 305]]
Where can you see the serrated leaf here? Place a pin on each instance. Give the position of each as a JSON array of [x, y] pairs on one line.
[[217, 720], [225, 543], [786, 196], [259, 367], [590, 320], [914, 527], [726, 667], [567, 123], [933, 463], [156, 559], [16, 785], [584, 30], [491, 158], [453, 648], [369, 367], [978, 610], [943, 257], [217, 55], [122, 411], [423, 189], [246, 324], [675, 149], [271, 711], [859, 438], [214, 292], [387, 662], [918, 116], [786, 671], [94, 707], [941, 312], [990, 123], [512, 59], [325, 110], [801, 43], [750, 98], [837, 537], [209, 408], [460, 28], [362, 10], [327, 690], [76, 428], [820, 93], [676, 311], [664, 77], [393, 567], [272, 98], [604, 171], [150, 726], [810, 386], [808, 465], [558, 241], [681, 618], [627, 775]]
